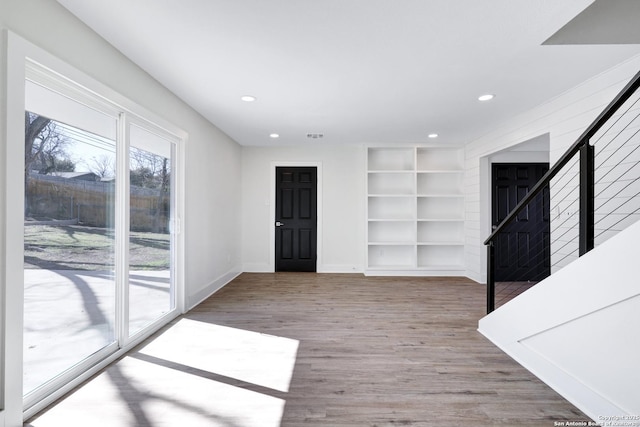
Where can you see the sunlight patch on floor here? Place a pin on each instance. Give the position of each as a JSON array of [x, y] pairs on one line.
[[252, 357], [159, 396]]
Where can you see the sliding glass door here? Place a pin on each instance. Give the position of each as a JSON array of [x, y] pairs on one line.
[[69, 252], [150, 289], [99, 247]]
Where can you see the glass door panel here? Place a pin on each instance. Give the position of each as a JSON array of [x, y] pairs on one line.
[[98, 248], [150, 286], [69, 251]]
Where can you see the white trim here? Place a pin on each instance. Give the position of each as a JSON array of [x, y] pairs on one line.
[[3, 223], [106, 99], [122, 224], [60, 381], [13, 207], [212, 288], [415, 273], [272, 212], [176, 208], [340, 269], [177, 228], [62, 85]]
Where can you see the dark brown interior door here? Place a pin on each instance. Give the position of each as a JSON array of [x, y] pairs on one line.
[[522, 249], [296, 218]]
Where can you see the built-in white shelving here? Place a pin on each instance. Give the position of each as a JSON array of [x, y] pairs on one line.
[[415, 210]]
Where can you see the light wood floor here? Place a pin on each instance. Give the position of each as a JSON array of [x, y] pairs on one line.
[[303, 349], [506, 291]]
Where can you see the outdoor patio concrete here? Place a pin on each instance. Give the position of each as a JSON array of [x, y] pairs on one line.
[[70, 314]]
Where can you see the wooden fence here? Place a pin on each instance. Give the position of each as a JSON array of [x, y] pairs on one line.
[[91, 203]]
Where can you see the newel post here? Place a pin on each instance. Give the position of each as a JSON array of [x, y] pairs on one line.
[[491, 283], [587, 196]]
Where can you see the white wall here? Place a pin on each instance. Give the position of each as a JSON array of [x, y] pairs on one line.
[[564, 118], [342, 199], [577, 329], [212, 161]]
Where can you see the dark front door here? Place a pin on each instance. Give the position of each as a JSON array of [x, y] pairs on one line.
[[296, 218], [522, 249]]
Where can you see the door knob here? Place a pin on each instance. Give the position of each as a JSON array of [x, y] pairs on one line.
[[279, 224]]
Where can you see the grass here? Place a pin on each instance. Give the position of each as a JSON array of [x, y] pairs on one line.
[[76, 247]]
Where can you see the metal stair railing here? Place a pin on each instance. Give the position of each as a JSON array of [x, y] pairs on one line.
[[592, 196]]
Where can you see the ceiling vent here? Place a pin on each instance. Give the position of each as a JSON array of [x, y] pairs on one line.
[[315, 135]]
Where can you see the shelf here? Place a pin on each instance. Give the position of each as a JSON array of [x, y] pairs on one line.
[[443, 243], [391, 256], [387, 171], [441, 196], [391, 159], [440, 183], [434, 171], [385, 243], [434, 232], [438, 208], [415, 210], [402, 183], [391, 208], [383, 220], [439, 159], [391, 232], [441, 256], [391, 196]]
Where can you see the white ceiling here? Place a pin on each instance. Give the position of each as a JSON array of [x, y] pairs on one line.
[[603, 22], [358, 71]]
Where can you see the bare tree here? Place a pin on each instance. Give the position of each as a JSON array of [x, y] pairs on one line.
[[165, 182], [103, 166], [34, 127], [45, 146], [149, 170], [44, 149], [153, 171]]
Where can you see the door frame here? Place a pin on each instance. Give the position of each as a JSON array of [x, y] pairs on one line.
[[493, 206], [272, 210], [511, 154]]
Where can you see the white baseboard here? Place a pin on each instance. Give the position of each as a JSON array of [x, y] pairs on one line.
[[415, 273], [477, 278], [321, 268], [339, 268], [211, 288]]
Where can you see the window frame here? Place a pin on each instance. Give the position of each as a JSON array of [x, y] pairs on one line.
[[25, 60]]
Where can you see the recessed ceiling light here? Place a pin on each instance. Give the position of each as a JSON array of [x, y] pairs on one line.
[[486, 97], [274, 135], [433, 135], [248, 98]]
